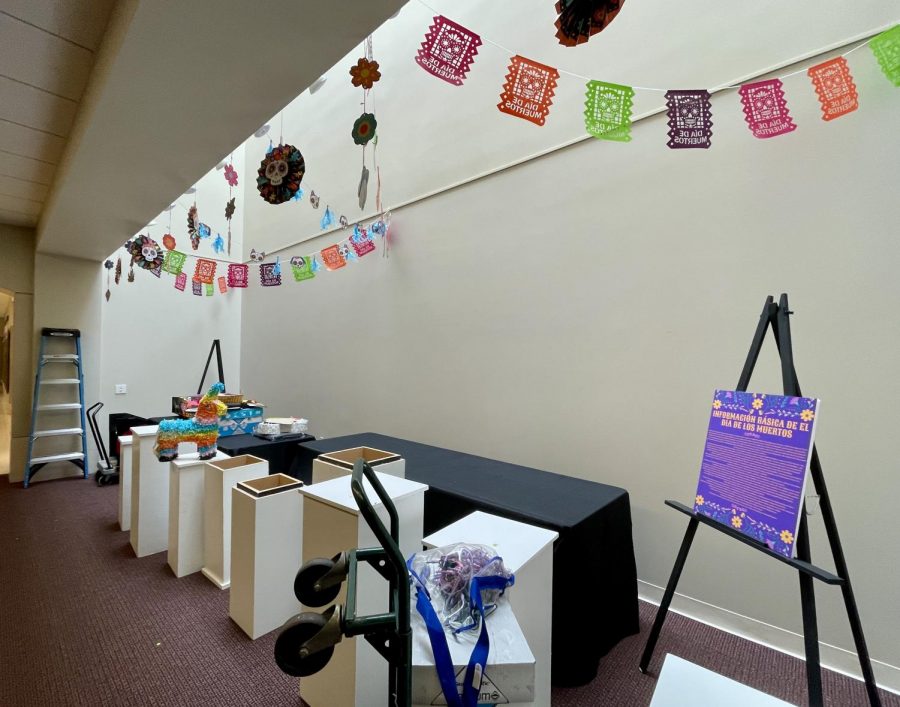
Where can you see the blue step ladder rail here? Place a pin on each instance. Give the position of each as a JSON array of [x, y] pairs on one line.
[[33, 463]]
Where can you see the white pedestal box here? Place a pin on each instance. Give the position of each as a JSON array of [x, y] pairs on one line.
[[527, 551], [186, 513], [356, 674], [125, 463], [266, 550], [218, 478], [683, 684], [336, 464]]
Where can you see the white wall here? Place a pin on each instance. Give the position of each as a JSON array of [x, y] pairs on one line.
[[156, 338], [575, 313]]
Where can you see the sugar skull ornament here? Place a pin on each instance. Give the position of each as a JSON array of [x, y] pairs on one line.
[[280, 173], [145, 252]]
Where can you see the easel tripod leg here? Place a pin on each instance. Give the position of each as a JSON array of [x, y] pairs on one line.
[[669, 593], [810, 627]]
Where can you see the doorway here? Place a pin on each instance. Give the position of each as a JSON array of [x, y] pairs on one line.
[[7, 302]]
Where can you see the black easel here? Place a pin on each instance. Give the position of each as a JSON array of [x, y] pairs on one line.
[[776, 315], [218, 351]]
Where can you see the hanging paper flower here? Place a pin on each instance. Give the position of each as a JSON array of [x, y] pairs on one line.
[[193, 224], [109, 265], [229, 209], [365, 73], [145, 252], [364, 128], [579, 20], [280, 174], [314, 199], [231, 175], [169, 241]]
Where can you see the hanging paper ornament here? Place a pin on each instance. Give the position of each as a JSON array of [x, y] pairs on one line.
[[267, 275], [345, 252], [343, 221], [835, 88], [363, 189], [223, 286], [219, 244], [690, 119], [280, 174], [302, 268], [365, 73], [157, 271], [607, 111], [196, 287], [377, 228], [448, 50], [364, 128], [314, 199], [231, 175], [109, 265], [298, 196], [238, 275], [145, 252], [314, 266], [174, 262], [765, 109], [229, 209], [277, 269], [205, 270], [579, 20], [193, 224], [332, 258], [361, 242], [257, 256], [108, 293], [118, 270], [204, 231], [209, 289], [180, 281], [169, 241], [131, 272], [886, 48], [327, 218], [528, 91]]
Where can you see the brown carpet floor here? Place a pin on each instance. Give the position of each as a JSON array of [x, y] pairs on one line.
[[83, 622]]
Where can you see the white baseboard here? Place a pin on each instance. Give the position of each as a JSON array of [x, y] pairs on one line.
[[833, 658]]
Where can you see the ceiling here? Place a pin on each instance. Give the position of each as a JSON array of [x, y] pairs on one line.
[[173, 89], [47, 49]]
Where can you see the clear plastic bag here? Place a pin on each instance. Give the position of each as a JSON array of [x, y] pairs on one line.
[[446, 574]]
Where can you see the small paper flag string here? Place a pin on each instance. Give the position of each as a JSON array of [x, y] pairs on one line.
[[835, 88], [528, 91], [690, 119], [765, 109], [886, 48], [607, 111]]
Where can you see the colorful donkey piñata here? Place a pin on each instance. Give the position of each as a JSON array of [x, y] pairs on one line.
[[202, 429]]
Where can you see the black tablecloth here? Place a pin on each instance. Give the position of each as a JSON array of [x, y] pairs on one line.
[[281, 453], [594, 576]]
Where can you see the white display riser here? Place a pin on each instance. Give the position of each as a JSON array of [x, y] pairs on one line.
[[356, 674], [266, 552], [125, 482], [186, 477], [527, 551], [218, 479], [150, 492], [333, 465]]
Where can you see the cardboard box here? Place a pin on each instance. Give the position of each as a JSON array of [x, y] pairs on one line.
[[239, 421], [336, 464], [508, 676]]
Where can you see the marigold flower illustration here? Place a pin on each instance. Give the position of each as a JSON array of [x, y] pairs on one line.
[[736, 521], [787, 537], [807, 415], [699, 500], [231, 175], [365, 73], [717, 404], [757, 403]]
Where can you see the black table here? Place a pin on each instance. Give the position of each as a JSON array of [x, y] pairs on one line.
[[281, 453], [594, 576]]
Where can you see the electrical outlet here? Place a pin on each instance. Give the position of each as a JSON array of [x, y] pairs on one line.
[[121, 389]]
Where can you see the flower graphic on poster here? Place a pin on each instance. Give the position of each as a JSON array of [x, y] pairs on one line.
[[807, 415], [787, 537], [736, 521], [699, 500], [717, 404], [757, 404]]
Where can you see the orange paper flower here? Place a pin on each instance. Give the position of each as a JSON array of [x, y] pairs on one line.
[[365, 73]]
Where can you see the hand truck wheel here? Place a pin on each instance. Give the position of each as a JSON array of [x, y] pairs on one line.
[[294, 634], [307, 576]]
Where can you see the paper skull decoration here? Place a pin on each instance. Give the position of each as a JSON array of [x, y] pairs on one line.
[[298, 261], [257, 256], [280, 174], [145, 252]]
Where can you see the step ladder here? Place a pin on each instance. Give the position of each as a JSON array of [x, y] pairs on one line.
[[52, 412]]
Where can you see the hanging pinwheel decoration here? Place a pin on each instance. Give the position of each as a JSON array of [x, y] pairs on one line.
[[280, 174], [145, 252], [193, 224], [579, 20]]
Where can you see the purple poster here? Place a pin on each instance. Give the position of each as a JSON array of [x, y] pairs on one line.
[[754, 467]]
